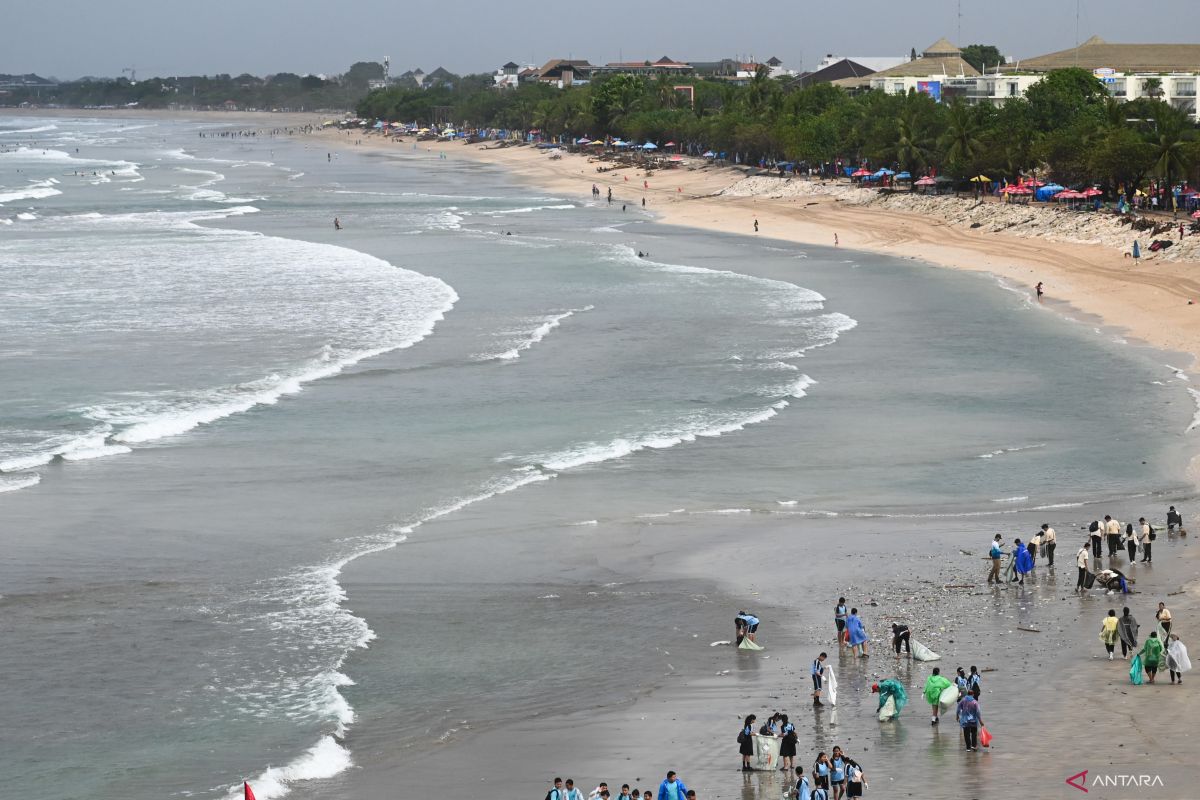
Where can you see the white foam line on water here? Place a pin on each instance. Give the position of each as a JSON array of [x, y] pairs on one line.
[[20, 131], [1005, 450], [595, 452], [36, 190], [536, 335], [18, 482], [1195, 423]]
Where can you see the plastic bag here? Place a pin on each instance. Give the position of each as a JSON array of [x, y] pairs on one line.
[[985, 737], [1135, 670]]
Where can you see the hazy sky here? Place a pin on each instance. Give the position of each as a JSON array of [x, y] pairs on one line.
[[71, 38]]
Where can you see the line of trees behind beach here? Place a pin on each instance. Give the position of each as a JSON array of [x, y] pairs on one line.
[[1066, 124]]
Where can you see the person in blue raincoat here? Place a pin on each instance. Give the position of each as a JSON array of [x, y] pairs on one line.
[[1023, 559], [856, 634]]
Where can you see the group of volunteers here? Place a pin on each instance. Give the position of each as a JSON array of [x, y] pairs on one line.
[[833, 775], [964, 694], [1162, 649], [671, 788]]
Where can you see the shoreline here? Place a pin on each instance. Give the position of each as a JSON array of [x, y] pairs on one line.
[[593, 744], [1149, 302]]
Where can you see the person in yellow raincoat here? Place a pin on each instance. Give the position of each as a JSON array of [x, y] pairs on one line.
[[1108, 632]]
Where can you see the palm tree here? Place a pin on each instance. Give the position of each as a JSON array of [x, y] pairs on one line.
[[960, 141], [1152, 87], [1169, 140], [911, 145]]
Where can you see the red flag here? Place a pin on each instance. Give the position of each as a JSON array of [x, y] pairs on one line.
[[248, 790]]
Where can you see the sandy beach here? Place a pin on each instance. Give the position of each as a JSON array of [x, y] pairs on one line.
[[1046, 684], [1149, 300]]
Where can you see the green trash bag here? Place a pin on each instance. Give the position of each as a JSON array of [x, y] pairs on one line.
[[1135, 670]]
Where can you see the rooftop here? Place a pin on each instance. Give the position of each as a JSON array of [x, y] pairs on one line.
[[1096, 53]]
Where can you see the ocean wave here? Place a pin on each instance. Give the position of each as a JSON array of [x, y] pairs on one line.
[[14, 483], [21, 131], [36, 190], [525, 210], [539, 333], [1195, 423], [323, 760], [1006, 450], [688, 430]]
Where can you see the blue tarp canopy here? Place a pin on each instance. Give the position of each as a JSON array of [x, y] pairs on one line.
[[1048, 191], [904, 176]]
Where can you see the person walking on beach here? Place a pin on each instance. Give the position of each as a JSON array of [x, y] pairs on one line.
[[996, 553], [1112, 529], [1108, 632], [901, 635], [818, 675], [746, 741], [1023, 562], [756, 226], [1081, 561], [1095, 532], [934, 687], [839, 620], [1040, 290], [855, 778], [970, 717], [822, 769], [570, 792], [1177, 658], [1146, 537], [1049, 542], [556, 792], [837, 777], [672, 788], [974, 679], [803, 790], [337, 224], [1127, 630], [1151, 654], [1163, 615], [835, 240], [856, 634]]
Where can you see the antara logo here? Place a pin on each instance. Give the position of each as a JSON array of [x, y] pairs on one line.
[[1080, 781]]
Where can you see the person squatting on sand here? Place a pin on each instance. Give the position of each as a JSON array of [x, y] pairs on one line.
[[745, 626]]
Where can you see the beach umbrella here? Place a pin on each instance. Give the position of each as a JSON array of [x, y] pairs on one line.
[[598, 143], [926, 181], [1137, 249], [584, 140], [981, 179], [859, 173], [904, 176], [649, 146], [669, 144], [886, 171], [1196, 215], [709, 154], [1091, 191]]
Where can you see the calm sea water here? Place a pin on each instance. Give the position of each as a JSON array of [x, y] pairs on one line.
[[213, 402]]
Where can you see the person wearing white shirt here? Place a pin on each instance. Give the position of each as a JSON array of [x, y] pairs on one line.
[[1146, 536], [1081, 561], [1112, 530], [1049, 542]]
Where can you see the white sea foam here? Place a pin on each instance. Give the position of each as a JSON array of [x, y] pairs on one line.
[[36, 190], [526, 210], [1195, 423], [21, 131], [13, 483], [26, 217], [323, 760], [1016, 499], [546, 324], [688, 430], [1005, 450]]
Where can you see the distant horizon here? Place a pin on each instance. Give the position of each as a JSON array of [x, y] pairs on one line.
[[478, 37]]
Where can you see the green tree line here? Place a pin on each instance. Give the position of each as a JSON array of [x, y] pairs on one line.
[[1067, 123]]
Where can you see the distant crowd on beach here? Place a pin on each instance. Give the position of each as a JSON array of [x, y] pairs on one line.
[[671, 788]]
